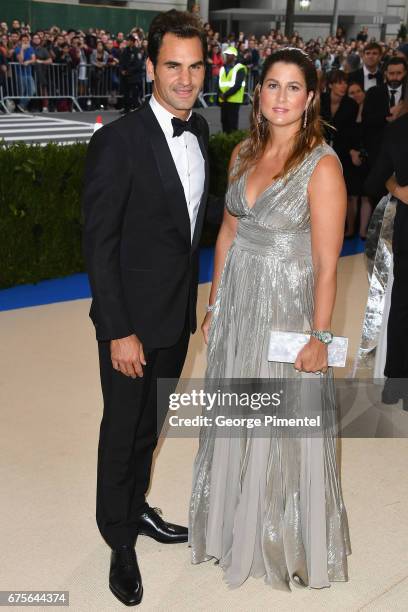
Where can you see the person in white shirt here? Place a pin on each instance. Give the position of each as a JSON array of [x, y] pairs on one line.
[[187, 157], [382, 105], [369, 75]]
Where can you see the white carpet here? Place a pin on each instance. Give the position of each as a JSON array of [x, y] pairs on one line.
[[50, 412]]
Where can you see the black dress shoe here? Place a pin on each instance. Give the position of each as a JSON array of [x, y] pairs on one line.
[[152, 525], [394, 390], [125, 580]]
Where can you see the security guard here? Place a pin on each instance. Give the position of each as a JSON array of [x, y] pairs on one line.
[[131, 65], [231, 86]]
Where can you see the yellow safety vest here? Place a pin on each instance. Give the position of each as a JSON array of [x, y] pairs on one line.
[[226, 81]]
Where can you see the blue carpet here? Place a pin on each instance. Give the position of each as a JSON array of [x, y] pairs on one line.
[[72, 287], [76, 286], [352, 246]]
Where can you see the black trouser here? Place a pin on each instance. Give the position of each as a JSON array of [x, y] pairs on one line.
[[128, 436], [396, 365], [229, 116], [132, 93]]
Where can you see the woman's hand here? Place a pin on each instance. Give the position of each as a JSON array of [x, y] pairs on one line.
[[313, 357], [205, 327]]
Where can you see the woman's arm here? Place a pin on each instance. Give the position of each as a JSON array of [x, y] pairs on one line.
[[225, 238], [328, 203]]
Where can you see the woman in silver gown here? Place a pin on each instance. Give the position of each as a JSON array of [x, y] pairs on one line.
[[272, 506]]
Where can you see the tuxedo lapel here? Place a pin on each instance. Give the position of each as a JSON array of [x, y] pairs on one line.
[[175, 200], [204, 197]]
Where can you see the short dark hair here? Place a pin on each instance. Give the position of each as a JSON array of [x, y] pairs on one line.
[[179, 23], [351, 83], [373, 46], [336, 76], [394, 61]]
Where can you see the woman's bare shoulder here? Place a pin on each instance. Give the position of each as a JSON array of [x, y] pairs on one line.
[[327, 174], [237, 150]]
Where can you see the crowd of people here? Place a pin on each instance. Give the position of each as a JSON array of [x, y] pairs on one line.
[[95, 52], [107, 66], [363, 89], [362, 82]]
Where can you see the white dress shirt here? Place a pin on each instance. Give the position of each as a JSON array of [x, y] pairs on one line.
[[188, 159], [398, 93], [368, 83]]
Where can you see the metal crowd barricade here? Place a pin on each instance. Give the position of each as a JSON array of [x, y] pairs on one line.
[[60, 81], [212, 97], [82, 85], [98, 83], [38, 81]]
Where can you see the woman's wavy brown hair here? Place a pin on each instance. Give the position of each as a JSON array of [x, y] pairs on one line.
[[307, 139]]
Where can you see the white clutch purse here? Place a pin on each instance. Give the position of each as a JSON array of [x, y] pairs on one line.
[[285, 346]]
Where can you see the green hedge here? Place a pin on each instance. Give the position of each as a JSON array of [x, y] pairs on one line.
[[40, 216], [220, 150]]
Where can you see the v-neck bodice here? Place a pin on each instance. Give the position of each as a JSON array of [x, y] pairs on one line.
[[283, 205]]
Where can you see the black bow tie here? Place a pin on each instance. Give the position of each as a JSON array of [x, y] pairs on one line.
[[372, 76], [180, 126]]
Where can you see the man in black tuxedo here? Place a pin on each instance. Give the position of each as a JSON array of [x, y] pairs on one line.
[[391, 171], [145, 190], [382, 105], [369, 75]]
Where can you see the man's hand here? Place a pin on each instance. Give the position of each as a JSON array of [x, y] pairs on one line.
[[396, 190], [127, 356], [395, 111], [355, 157]]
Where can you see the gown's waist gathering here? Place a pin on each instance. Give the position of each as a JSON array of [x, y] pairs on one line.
[[273, 242]]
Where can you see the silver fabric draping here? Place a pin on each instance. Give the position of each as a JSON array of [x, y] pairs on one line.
[[269, 506], [379, 261]]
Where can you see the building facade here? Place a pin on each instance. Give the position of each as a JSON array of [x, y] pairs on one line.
[[382, 17]]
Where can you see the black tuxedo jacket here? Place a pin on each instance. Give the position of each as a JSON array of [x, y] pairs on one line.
[[375, 110], [357, 76], [392, 159], [142, 266]]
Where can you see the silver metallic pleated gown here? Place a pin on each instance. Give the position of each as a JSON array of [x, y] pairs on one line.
[[268, 506]]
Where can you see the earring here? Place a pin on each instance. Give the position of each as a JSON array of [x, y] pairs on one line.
[[259, 116], [305, 119]]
